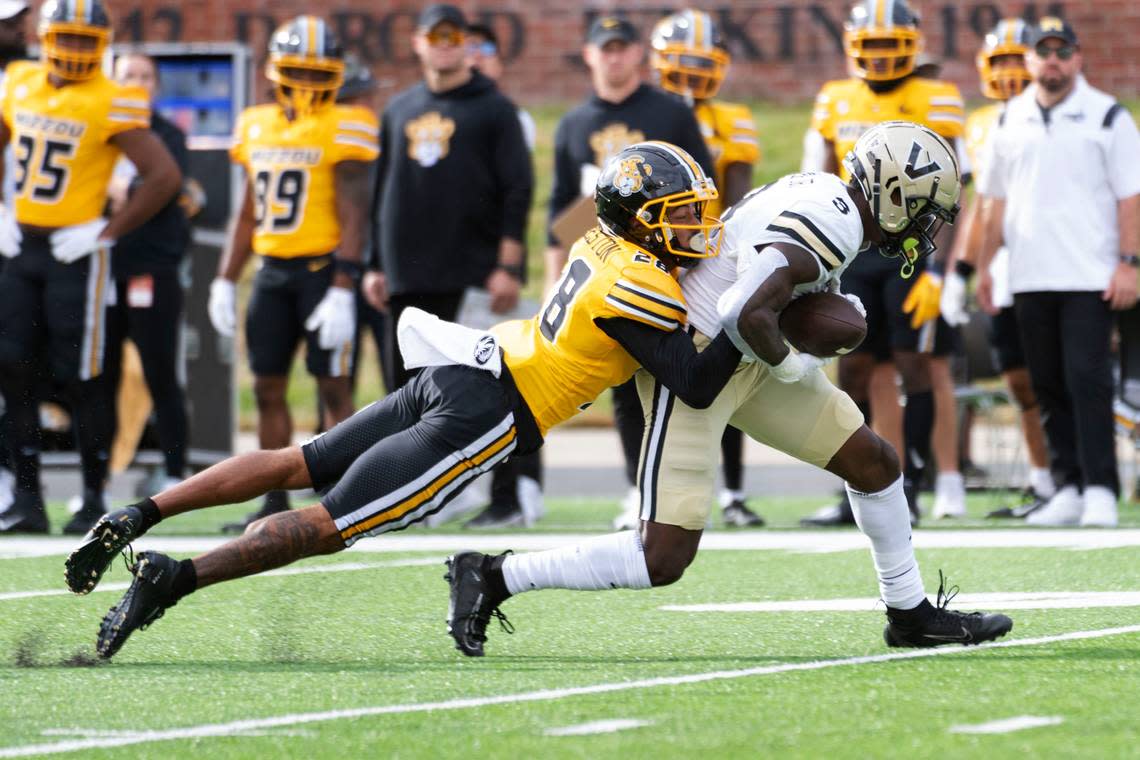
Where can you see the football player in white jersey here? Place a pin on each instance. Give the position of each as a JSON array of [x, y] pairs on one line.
[[788, 238]]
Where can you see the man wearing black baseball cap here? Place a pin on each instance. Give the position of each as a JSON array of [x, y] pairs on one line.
[[1061, 191], [440, 13]]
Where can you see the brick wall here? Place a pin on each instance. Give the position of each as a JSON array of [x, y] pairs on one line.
[[782, 49]]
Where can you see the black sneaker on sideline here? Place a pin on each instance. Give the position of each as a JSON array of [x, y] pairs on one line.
[[93, 509], [738, 515], [26, 515], [109, 536], [147, 599], [497, 516], [268, 507], [473, 602], [938, 626], [831, 516]]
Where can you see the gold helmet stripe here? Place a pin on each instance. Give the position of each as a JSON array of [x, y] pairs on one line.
[[698, 27], [880, 7], [1009, 29], [81, 11], [311, 33]]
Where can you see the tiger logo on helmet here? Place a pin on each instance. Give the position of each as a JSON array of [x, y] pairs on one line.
[[910, 177], [74, 35], [1001, 61], [689, 54], [881, 40], [306, 64]]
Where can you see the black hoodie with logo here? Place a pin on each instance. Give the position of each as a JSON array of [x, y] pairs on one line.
[[454, 178]]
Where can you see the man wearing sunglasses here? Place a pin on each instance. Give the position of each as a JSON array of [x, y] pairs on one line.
[[1061, 190], [452, 149]]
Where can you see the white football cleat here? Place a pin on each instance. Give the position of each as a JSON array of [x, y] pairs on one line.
[[1064, 508], [1100, 508], [949, 495]]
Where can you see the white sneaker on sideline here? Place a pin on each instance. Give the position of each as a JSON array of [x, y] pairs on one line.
[[7, 488], [949, 495], [473, 497], [1064, 508], [1100, 508], [630, 517], [530, 500]]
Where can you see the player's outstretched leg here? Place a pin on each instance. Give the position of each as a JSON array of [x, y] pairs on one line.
[[233, 481]]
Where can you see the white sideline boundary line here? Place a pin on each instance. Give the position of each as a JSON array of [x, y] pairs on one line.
[[339, 567], [254, 724], [1009, 725]]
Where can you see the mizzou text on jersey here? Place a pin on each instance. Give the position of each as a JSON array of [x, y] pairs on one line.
[[291, 167]]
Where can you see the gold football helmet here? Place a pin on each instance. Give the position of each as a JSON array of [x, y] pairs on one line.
[[882, 40], [689, 54], [1011, 38], [73, 37], [306, 63]]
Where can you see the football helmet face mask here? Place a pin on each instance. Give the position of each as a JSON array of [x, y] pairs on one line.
[[1011, 37], [689, 54], [73, 37], [639, 188], [881, 40], [306, 64], [910, 177]]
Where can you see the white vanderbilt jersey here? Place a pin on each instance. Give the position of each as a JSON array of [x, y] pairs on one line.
[[811, 210]]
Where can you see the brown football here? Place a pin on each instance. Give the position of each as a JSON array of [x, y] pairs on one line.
[[823, 324]]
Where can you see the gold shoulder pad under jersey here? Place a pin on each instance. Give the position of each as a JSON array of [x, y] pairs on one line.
[[249, 126], [61, 139], [978, 127], [357, 134], [735, 133], [936, 104], [645, 291], [827, 103]]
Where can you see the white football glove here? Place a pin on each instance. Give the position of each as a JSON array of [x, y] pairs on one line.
[[10, 234], [222, 306], [334, 319], [70, 244], [953, 301], [795, 367]]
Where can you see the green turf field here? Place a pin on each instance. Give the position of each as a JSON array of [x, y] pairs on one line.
[[350, 656]]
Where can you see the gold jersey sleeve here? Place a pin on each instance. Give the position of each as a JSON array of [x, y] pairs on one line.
[[561, 360], [730, 133], [61, 141], [847, 108], [978, 127], [291, 168]]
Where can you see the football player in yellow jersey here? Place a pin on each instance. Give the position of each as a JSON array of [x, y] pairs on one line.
[[303, 212], [480, 398], [882, 42], [691, 59], [68, 125], [1001, 66]]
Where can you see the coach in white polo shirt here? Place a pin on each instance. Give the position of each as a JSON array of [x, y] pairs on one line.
[[1061, 187]]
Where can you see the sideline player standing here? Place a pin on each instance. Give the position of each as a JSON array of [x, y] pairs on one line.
[[692, 60], [480, 398], [68, 124], [793, 236], [882, 42], [1001, 66], [303, 211]]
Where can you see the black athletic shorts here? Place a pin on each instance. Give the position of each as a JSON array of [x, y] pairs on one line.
[[875, 279], [285, 292], [402, 458], [1006, 340], [61, 307]]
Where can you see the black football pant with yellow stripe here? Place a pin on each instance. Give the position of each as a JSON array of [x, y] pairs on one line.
[[402, 458], [53, 331]]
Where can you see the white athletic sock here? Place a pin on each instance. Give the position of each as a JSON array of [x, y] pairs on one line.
[[727, 497], [1041, 481], [616, 560], [885, 519]]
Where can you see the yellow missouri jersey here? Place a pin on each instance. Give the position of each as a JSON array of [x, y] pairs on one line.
[[731, 136], [561, 360], [291, 167], [60, 137], [978, 127], [847, 108]]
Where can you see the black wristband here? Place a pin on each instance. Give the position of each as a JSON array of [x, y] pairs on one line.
[[965, 269], [354, 269], [1131, 259], [514, 270]]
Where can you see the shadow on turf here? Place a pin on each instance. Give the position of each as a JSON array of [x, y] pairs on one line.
[[29, 653]]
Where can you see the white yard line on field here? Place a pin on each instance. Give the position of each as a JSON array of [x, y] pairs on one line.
[[1008, 725], [545, 695], [1032, 600], [338, 567], [598, 727], [770, 540]]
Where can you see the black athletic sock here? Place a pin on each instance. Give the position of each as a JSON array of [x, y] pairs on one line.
[[276, 501], [94, 421], [732, 457], [494, 573], [918, 424], [22, 424], [150, 514], [185, 579]]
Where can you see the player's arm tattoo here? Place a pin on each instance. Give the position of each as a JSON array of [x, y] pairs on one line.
[[275, 541]]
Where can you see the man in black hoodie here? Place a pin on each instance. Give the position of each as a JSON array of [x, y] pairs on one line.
[[453, 189]]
